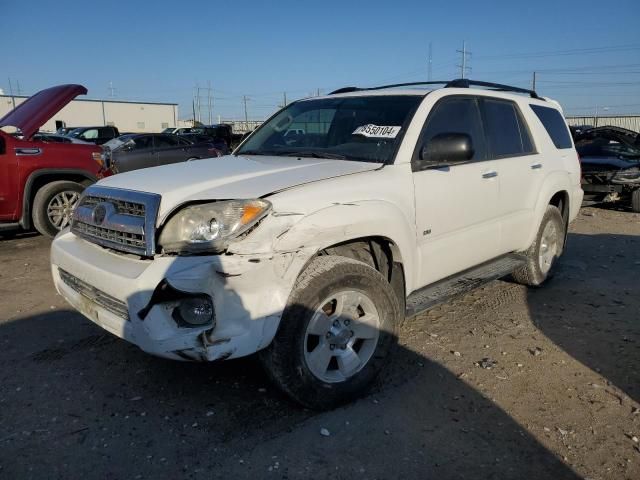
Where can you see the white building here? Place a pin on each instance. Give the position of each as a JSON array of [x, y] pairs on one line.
[[126, 116]]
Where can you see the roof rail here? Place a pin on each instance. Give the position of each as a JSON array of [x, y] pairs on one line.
[[457, 83]]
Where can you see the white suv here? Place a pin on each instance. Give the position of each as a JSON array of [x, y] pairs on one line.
[[311, 250]]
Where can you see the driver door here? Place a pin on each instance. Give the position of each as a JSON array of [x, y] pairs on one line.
[[8, 182], [457, 214]]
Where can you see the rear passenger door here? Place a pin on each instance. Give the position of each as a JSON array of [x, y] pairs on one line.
[[169, 149], [520, 168], [457, 214]]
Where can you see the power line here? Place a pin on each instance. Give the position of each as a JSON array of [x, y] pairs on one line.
[[554, 53]]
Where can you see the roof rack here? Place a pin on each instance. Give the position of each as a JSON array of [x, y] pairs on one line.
[[457, 83]]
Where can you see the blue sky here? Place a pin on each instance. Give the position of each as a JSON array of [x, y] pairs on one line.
[[586, 53]]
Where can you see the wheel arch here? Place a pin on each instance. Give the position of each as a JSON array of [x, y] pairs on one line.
[[555, 191], [360, 226], [40, 178]]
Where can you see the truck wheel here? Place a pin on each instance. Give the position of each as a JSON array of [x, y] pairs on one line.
[[546, 249], [53, 206], [335, 333], [635, 200]]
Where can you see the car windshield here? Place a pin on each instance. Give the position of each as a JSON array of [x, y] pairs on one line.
[[168, 130], [362, 128], [75, 132], [117, 142]]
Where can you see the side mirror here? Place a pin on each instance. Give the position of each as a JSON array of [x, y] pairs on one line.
[[447, 149]]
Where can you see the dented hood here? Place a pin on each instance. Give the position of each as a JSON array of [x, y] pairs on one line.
[[34, 112], [231, 177]]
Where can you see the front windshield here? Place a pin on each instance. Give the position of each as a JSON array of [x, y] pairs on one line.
[[168, 130], [363, 128], [75, 132], [117, 142]]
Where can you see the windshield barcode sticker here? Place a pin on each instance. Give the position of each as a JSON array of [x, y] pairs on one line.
[[377, 131]]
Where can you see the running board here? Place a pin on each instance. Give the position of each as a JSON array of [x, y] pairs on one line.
[[448, 288]]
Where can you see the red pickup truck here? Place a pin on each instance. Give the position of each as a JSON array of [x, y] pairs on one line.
[[41, 182]]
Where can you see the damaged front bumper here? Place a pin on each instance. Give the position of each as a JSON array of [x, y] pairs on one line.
[[128, 297]]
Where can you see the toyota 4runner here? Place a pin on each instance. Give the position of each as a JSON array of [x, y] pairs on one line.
[[311, 249]]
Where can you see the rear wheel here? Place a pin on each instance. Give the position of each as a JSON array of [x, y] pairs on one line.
[[335, 333], [53, 206], [546, 248], [635, 200]]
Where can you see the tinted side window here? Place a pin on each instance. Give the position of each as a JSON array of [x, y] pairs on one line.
[[554, 124], [143, 143], [506, 130], [166, 141], [456, 115], [2, 147]]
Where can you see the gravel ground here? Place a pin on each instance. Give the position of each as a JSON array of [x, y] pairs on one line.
[[505, 382]]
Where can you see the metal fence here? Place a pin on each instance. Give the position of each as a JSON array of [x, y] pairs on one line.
[[632, 122], [241, 126]]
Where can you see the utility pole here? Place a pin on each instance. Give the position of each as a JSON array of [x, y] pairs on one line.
[[246, 116], [318, 92], [284, 98], [533, 83], [463, 64], [112, 91], [193, 106], [430, 62], [18, 89], [13, 100], [209, 99]]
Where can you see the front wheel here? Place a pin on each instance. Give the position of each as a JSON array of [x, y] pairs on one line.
[[546, 249], [53, 206], [335, 333], [635, 200]]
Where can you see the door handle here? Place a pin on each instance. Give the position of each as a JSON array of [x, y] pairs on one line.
[[536, 166], [490, 174]]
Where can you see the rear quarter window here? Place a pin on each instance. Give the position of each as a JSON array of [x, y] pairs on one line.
[[506, 130], [554, 124]]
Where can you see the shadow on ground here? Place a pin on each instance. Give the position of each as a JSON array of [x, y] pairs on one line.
[[603, 331], [80, 403]]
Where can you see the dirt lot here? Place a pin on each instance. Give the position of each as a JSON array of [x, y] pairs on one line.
[[502, 383]]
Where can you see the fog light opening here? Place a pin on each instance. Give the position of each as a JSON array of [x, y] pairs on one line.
[[194, 311]]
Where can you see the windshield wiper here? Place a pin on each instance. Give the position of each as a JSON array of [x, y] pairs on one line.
[[307, 154], [255, 152]]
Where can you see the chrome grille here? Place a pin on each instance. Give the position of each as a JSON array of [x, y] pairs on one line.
[[95, 295], [122, 220], [99, 233], [122, 206]]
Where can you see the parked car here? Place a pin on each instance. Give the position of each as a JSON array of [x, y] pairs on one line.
[[312, 253], [610, 158], [177, 130], [97, 135], [55, 138], [40, 182], [218, 132], [218, 143], [144, 150], [64, 130]]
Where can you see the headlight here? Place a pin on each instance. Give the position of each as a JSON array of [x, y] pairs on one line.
[[209, 227], [628, 175]]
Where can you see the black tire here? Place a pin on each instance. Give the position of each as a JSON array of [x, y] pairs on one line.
[[43, 197], [284, 359], [531, 273], [635, 200]]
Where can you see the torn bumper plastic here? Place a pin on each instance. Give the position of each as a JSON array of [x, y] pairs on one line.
[[116, 292]]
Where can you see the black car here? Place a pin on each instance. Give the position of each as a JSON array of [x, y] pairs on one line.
[[218, 143], [143, 150], [219, 132], [97, 135], [610, 159]]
